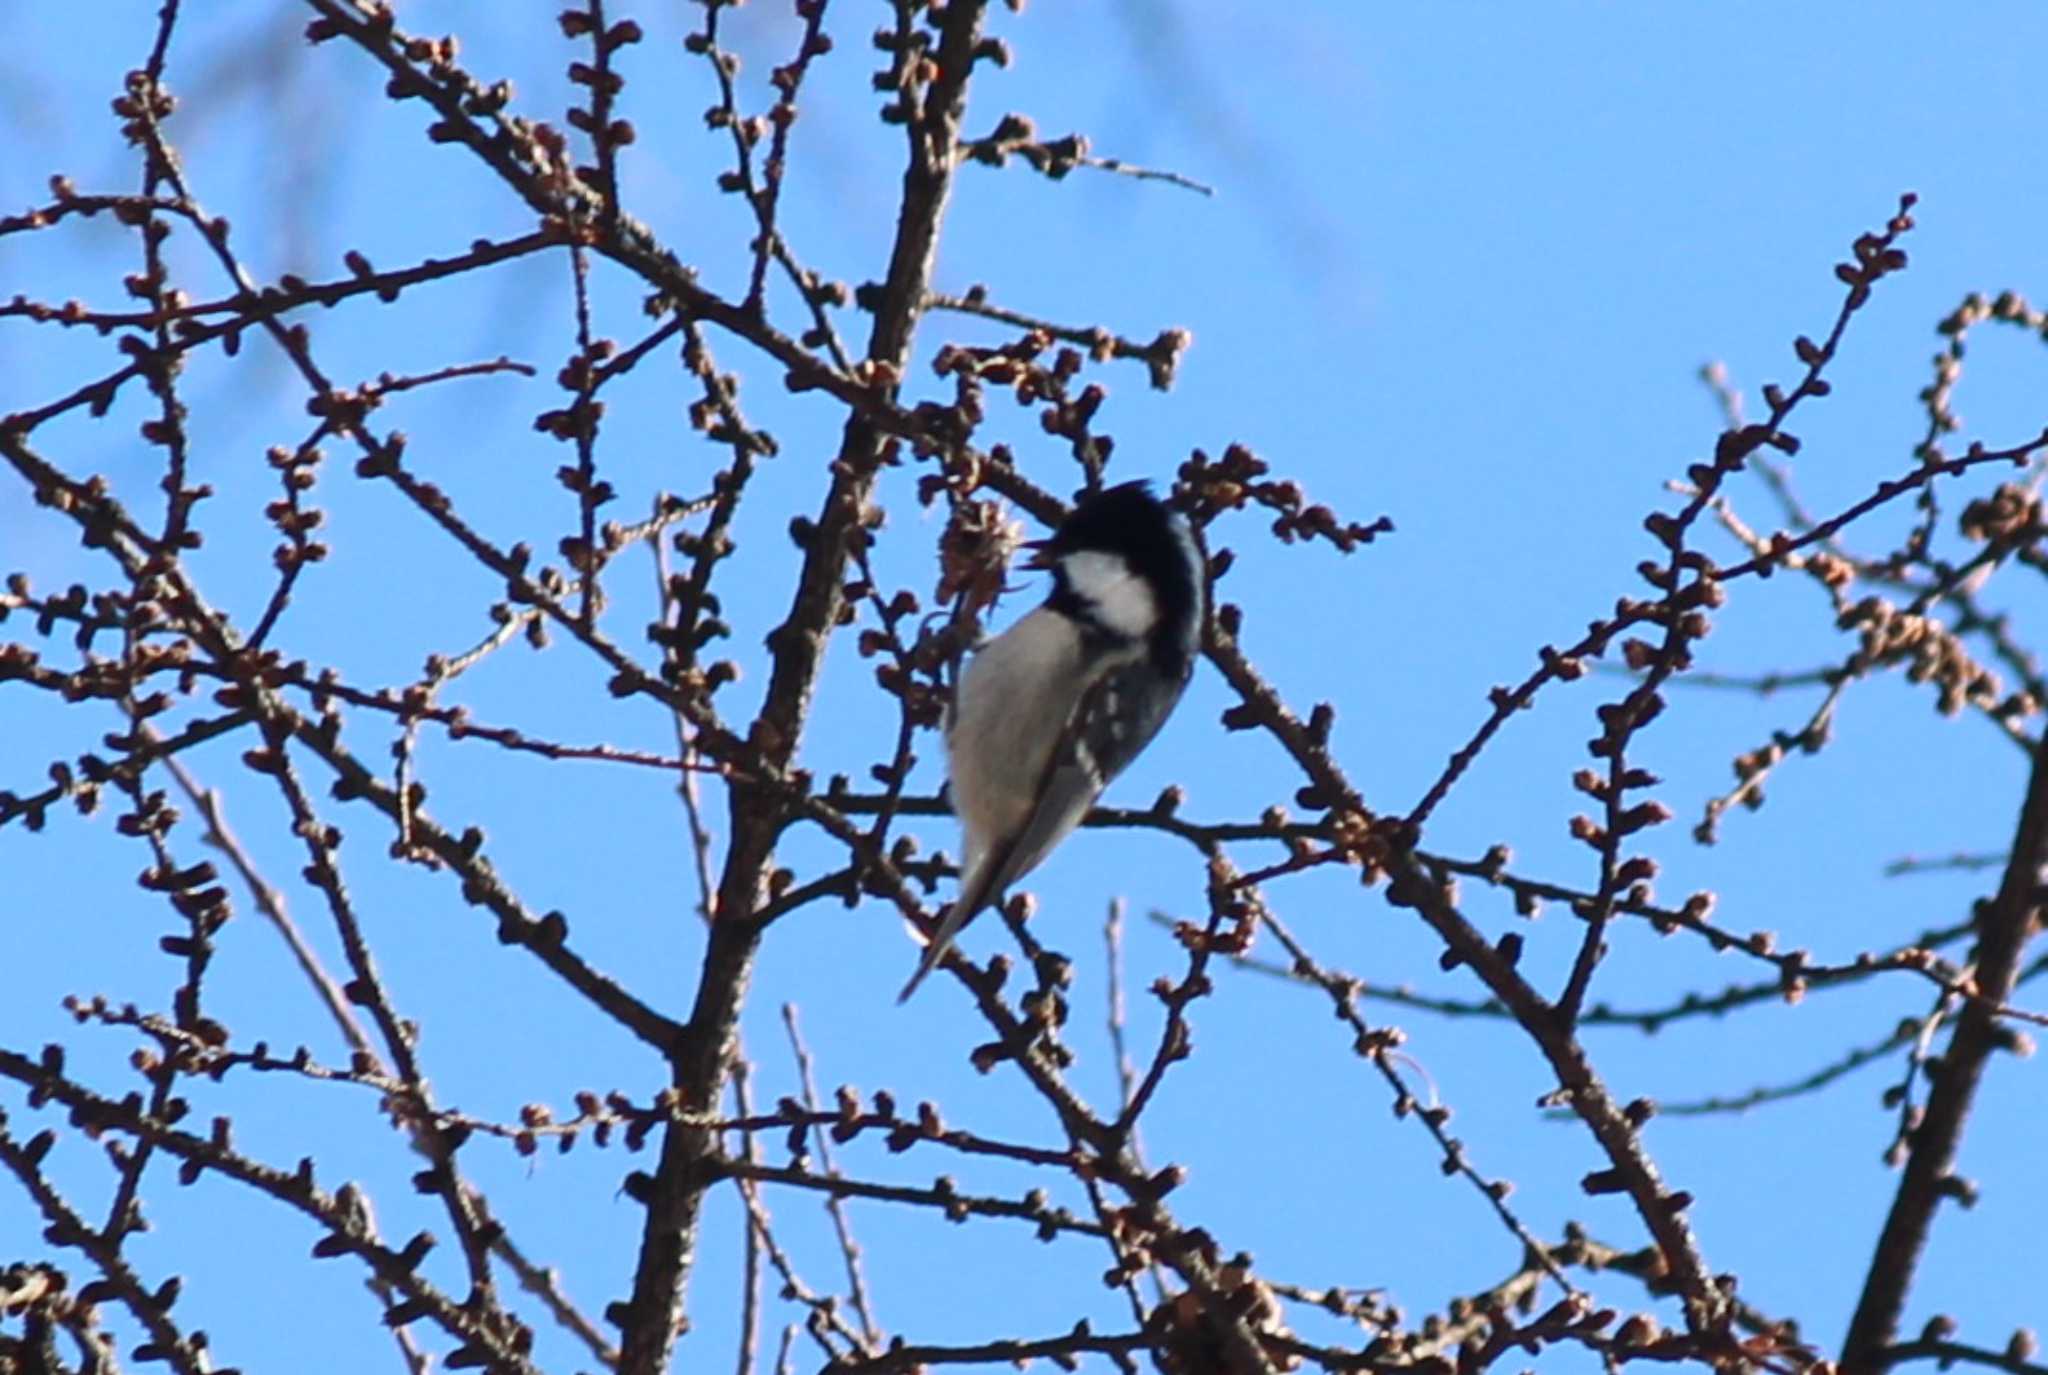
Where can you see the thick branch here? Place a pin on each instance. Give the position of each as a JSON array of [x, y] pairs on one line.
[[2004, 927], [703, 1055]]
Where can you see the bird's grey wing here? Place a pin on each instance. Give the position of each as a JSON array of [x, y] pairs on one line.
[[1005, 749], [1127, 717], [1111, 721], [1111, 724]]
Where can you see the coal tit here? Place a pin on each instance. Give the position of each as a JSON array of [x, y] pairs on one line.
[[1052, 709]]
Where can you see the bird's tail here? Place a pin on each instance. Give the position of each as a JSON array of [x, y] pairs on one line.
[[974, 895]]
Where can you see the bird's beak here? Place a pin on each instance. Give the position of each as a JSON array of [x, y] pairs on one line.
[[1040, 556]]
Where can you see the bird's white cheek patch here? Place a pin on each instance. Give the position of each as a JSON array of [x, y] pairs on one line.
[[1121, 600]]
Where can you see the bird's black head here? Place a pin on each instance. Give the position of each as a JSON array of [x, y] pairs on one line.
[[1126, 565]]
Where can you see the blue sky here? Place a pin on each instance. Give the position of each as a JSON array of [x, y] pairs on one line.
[[1463, 264]]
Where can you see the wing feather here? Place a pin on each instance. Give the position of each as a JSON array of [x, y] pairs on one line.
[[1013, 822]]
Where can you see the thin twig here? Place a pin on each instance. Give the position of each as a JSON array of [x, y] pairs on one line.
[[842, 1225]]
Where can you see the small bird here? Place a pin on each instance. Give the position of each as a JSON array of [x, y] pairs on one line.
[[1048, 712]]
